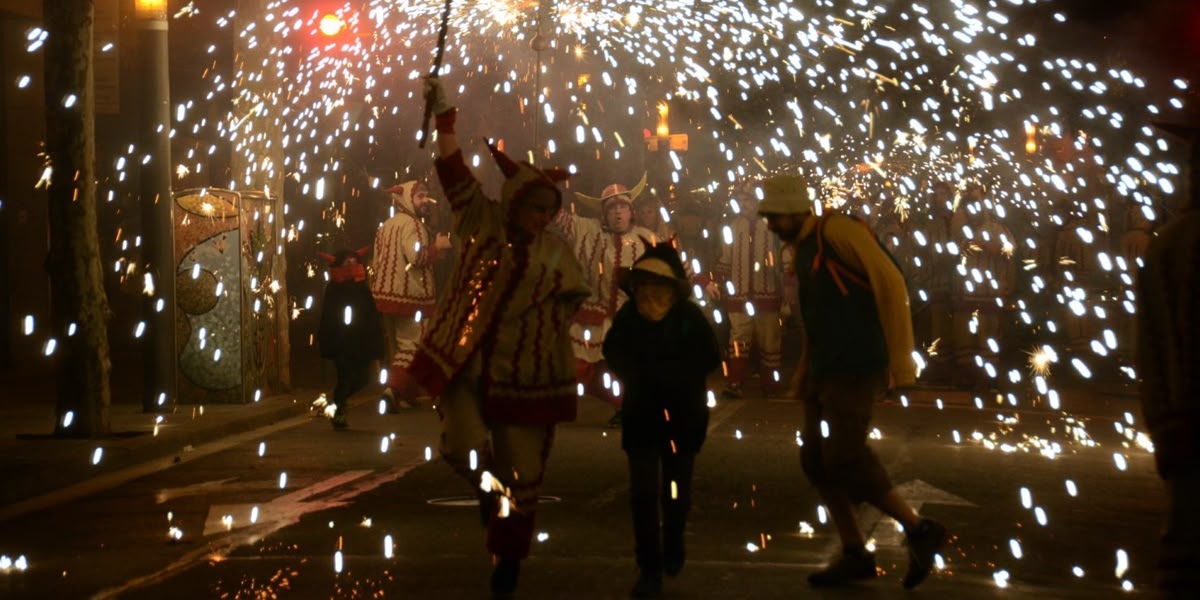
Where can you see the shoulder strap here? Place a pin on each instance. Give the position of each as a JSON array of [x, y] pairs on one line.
[[837, 269]]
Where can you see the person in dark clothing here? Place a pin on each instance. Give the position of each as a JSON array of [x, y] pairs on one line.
[[858, 343], [351, 332], [661, 347], [1168, 339]]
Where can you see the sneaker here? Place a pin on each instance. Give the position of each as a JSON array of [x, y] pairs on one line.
[[504, 577], [923, 543], [647, 586], [850, 567], [339, 422], [388, 397], [394, 404]]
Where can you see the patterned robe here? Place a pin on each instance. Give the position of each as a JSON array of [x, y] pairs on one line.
[[509, 302], [403, 281], [603, 255], [750, 264], [403, 285]]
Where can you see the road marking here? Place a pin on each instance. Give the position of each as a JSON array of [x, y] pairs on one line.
[[474, 501], [289, 507], [220, 486], [917, 493], [223, 545]]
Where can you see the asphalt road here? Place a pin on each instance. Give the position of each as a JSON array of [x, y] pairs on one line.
[[1085, 529]]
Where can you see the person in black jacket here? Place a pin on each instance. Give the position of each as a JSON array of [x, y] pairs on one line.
[[351, 332], [661, 347]]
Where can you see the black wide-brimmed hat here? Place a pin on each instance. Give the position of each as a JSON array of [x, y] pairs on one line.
[[659, 262]]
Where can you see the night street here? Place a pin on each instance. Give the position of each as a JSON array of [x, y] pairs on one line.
[[272, 271], [749, 536]]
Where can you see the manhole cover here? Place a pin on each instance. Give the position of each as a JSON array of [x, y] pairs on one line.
[[473, 501]]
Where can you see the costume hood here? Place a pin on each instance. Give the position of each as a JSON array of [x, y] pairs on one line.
[[346, 265], [520, 176], [402, 196]]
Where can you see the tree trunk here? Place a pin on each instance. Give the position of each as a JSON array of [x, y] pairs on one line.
[[79, 308]]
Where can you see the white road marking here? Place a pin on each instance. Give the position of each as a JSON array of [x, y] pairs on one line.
[[286, 508], [220, 546]]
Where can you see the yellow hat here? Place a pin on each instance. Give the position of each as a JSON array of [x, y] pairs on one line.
[[785, 195]]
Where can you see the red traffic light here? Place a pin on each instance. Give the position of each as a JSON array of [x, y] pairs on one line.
[[331, 25]]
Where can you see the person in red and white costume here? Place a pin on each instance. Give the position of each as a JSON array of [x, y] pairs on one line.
[[403, 284], [747, 277], [604, 247], [497, 355]]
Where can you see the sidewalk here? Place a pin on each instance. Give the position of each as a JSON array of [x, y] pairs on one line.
[[33, 463]]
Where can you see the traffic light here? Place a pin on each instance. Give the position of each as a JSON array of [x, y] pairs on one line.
[[331, 25], [328, 25]]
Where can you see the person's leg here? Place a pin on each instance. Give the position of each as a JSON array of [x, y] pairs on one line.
[[643, 501], [858, 471], [464, 432], [404, 389], [892, 504], [741, 332], [841, 509], [844, 514], [1179, 558], [854, 563], [519, 455], [388, 322], [846, 404], [768, 335], [342, 390], [676, 503]]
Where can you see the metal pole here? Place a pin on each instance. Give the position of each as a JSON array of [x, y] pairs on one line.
[[158, 228]]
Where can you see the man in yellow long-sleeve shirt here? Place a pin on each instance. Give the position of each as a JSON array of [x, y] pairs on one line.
[[858, 343]]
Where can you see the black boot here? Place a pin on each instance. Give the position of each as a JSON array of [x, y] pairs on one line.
[[504, 577], [649, 585]]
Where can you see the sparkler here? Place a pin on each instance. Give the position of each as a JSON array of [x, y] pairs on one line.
[[433, 72]]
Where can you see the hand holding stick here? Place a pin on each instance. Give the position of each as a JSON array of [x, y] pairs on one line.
[[433, 73]]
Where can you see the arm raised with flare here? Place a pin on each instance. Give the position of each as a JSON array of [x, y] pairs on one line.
[[444, 114]]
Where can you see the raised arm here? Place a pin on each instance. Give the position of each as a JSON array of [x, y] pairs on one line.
[[444, 116], [468, 204]]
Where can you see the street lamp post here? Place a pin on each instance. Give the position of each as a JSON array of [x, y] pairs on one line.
[[158, 252]]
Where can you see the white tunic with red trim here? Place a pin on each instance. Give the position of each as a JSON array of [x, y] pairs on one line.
[[603, 254], [750, 264], [403, 281]]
